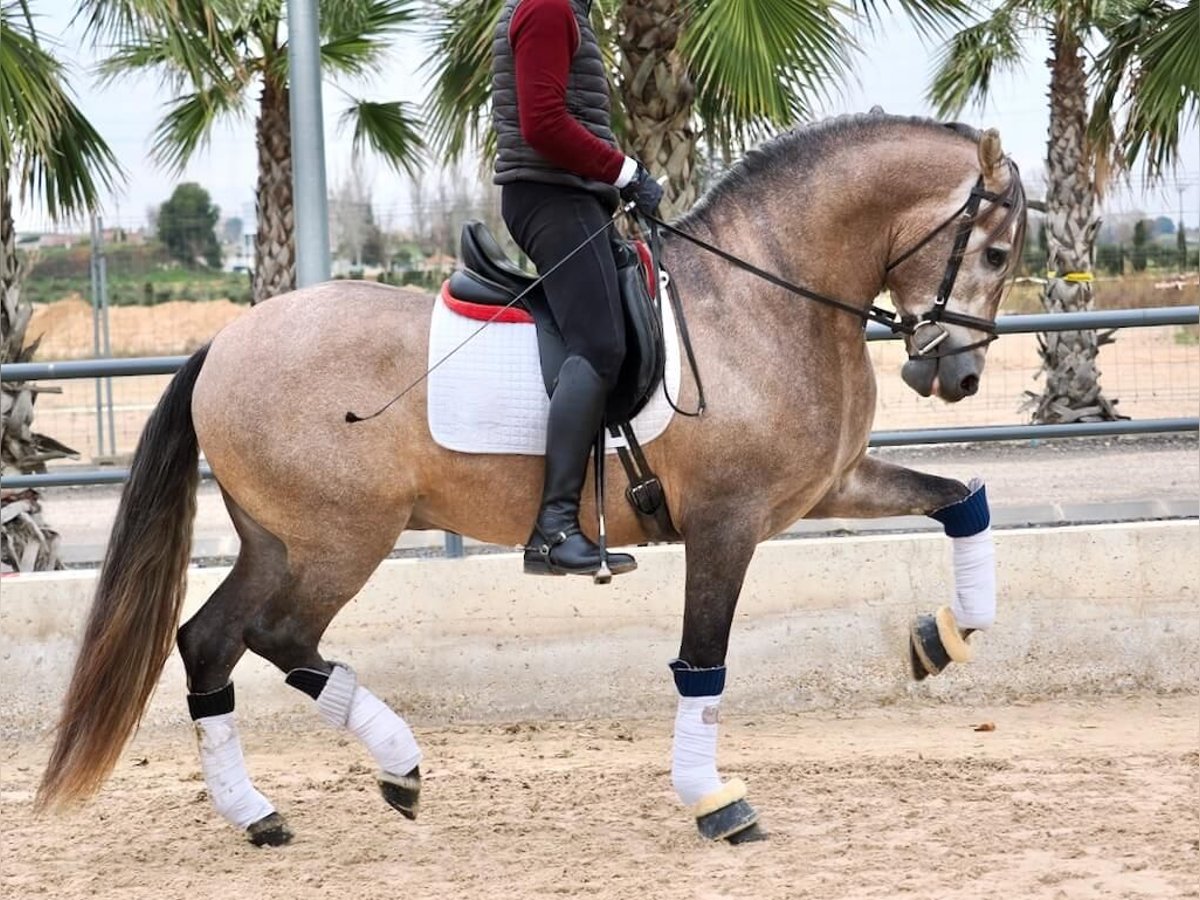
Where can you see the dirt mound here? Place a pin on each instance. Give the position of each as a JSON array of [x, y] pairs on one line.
[[178, 327]]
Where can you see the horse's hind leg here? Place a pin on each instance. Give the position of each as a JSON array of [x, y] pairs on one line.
[[211, 643], [287, 630], [719, 549], [877, 488]]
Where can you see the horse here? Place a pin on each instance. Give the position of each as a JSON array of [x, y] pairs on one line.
[[932, 213]]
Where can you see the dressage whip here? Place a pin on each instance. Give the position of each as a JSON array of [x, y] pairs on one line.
[[352, 417]]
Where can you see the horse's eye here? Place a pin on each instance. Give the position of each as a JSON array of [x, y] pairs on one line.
[[996, 258]]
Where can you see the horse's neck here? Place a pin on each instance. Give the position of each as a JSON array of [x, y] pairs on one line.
[[832, 229]]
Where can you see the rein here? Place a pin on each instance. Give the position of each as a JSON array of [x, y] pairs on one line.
[[907, 325]]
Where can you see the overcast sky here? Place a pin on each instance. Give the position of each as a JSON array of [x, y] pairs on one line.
[[892, 72]]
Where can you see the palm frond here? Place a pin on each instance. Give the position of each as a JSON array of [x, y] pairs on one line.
[[356, 34], [759, 63], [969, 61], [390, 129], [930, 17], [1148, 85], [187, 126], [202, 42], [56, 155], [460, 75]]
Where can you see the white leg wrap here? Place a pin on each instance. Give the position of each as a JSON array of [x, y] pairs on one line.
[[694, 755], [344, 703], [974, 602], [225, 773]]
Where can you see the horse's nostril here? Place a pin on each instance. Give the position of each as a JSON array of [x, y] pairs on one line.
[[969, 385]]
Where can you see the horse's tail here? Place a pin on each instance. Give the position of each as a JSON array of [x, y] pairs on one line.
[[138, 600]]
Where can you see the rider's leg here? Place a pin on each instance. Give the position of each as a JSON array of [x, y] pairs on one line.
[[548, 222]]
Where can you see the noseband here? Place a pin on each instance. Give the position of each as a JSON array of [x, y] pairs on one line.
[[938, 313]]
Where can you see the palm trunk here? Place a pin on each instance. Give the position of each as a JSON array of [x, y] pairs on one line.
[[1069, 358], [658, 96], [275, 264], [28, 544]]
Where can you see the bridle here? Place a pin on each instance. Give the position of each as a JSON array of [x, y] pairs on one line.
[[910, 325], [939, 313]]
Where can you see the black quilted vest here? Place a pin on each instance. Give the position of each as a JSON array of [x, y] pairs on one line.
[[587, 100]]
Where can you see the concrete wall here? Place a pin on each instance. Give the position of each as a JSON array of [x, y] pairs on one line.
[[821, 622]]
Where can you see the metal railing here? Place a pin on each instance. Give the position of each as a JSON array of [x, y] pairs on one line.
[[1021, 324]]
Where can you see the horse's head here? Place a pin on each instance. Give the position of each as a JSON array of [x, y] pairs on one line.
[[947, 285]]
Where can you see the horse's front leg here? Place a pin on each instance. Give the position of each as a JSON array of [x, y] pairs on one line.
[[876, 488], [718, 554]]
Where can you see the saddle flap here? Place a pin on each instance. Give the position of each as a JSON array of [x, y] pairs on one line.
[[645, 359]]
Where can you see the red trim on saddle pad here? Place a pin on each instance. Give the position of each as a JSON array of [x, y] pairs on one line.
[[482, 311]]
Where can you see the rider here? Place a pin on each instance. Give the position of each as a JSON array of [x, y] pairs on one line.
[[560, 175]]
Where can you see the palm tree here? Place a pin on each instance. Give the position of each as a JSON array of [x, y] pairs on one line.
[[1145, 78], [52, 156], [733, 70], [214, 55]]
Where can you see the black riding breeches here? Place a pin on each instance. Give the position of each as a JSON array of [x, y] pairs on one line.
[[548, 221]]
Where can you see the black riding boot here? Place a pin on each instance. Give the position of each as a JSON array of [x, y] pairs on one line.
[[557, 546]]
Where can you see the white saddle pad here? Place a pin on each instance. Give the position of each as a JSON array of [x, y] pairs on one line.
[[489, 396]]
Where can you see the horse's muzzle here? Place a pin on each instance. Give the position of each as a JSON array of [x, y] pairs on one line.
[[950, 378]]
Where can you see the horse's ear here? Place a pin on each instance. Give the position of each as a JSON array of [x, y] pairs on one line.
[[990, 153]]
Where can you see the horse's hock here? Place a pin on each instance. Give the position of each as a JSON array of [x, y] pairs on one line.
[[821, 622]]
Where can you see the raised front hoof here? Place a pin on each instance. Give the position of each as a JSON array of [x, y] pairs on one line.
[[733, 823], [935, 641], [402, 792], [270, 831]]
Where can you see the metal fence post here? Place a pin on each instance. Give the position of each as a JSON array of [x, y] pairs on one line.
[[94, 271], [309, 198]]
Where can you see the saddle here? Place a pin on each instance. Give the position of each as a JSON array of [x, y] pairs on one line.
[[490, 278]]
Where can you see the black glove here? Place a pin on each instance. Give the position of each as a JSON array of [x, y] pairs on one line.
[[643, 192]]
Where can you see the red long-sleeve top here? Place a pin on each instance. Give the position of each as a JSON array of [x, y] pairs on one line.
[[544, 37]]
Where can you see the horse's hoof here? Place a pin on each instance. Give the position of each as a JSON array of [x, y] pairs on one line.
[[269, 831], [402, 792], [748, 836], [728, 822], [935, 641], [724, 813]]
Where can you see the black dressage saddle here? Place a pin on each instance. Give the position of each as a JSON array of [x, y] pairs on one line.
[[490, 278]]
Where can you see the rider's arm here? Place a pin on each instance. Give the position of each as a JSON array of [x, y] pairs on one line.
[[544, 36]]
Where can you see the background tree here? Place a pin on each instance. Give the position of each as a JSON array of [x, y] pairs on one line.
[[350, 215], [1143, 100], [1137, 256], [187, 226], [1181, 246], [213, 56], [52, 156], [731, 70], [232, 230]]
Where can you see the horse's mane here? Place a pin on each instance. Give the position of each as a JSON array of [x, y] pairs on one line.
[[805, 145], [802, 147]]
